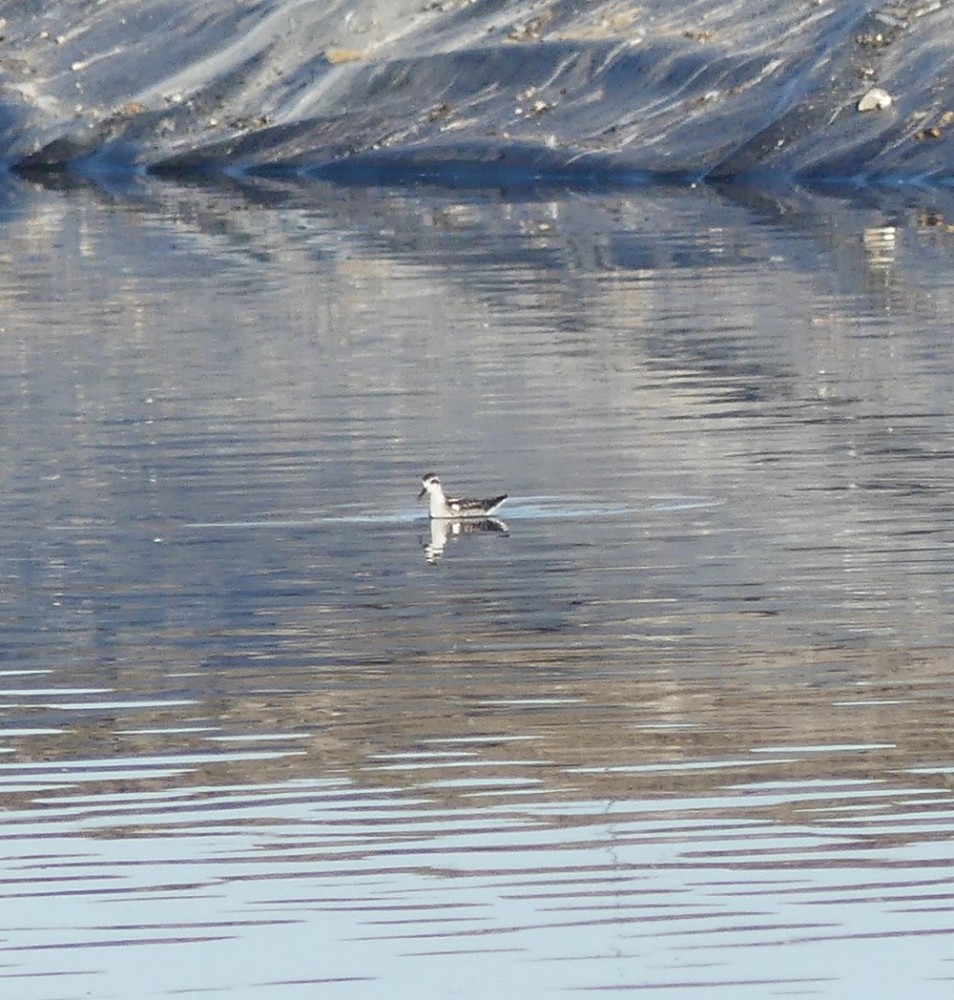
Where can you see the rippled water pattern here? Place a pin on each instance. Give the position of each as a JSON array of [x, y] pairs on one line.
[[677, 722]]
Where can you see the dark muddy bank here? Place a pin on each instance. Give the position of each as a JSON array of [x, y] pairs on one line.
[[712, 88]]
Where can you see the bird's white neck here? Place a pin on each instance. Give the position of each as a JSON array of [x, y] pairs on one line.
[[438, 506]]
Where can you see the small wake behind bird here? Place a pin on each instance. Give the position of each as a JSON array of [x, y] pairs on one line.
[[465, 509]]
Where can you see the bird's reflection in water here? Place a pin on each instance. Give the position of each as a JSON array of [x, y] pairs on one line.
[[443, 529]]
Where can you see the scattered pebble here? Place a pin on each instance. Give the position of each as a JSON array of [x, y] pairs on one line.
[[875, 100]]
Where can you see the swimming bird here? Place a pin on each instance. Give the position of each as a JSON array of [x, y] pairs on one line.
[[455, 507]]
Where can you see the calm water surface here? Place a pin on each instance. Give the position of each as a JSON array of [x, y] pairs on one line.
[[678, 724]]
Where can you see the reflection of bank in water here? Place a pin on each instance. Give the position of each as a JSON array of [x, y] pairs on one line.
[[443, 529]]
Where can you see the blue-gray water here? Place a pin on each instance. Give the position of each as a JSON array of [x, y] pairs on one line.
[[681, 727]]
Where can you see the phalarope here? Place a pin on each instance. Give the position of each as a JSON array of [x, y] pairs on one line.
[[455, 508]]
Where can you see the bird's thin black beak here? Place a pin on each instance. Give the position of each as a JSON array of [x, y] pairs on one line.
[[423, 491]]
